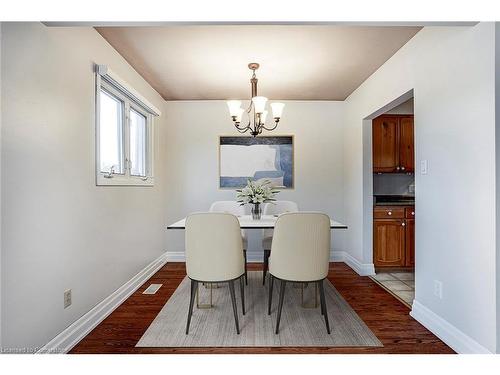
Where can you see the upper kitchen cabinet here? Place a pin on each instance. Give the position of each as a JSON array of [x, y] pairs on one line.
[[393, 145], [406, 148], [385, 144]]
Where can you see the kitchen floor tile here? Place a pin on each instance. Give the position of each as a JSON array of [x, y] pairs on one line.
[[404, 275], [408, 297], [410, 283], [395, 285], [384, 276]]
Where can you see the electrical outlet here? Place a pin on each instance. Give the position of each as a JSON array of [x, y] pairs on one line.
[[438, 289], [67, 298]]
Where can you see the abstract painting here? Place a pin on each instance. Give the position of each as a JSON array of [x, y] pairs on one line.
[[259, 158]]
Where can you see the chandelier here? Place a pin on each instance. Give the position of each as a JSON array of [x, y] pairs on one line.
[[256, 111]]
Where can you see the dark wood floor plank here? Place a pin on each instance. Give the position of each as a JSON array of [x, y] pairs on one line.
[[383, 314]]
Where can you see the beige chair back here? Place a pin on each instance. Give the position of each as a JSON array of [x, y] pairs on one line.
[[231, 207], [277, 208], [214, 249], [301, 247]]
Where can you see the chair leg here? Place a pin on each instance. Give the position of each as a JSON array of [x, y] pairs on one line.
[[270, 301], [320, 304], [194, 289], [323, 305], [265, 266], [235, 309], [280, 306], [242, 292], [246, 275]]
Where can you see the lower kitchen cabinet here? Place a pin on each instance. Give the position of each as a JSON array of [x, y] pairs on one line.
[[410, 243], [389, 242], [394, 237]]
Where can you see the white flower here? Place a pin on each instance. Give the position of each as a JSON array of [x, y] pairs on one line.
[[256, 192]]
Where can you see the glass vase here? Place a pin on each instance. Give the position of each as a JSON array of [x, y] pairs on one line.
[[256, 211]]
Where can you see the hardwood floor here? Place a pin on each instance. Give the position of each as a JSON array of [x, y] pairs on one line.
[[383, 314]]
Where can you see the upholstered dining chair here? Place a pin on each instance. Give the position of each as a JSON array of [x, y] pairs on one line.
[[275, 208], [300, 252], [214, 254], [236, 209]]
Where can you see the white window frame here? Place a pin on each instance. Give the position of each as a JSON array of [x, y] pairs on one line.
[[110, 82]]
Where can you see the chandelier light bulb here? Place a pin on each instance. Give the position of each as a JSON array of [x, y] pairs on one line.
[[234, 107], [239, 114], [259, 103], [263, 117], [277, 109]]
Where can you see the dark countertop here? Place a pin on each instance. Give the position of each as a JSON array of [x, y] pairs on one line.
[[394, 204], [393, 200]]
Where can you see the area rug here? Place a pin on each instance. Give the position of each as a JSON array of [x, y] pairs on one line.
[[215, 327]]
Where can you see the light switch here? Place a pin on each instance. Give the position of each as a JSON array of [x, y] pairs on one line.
[[423, 167]]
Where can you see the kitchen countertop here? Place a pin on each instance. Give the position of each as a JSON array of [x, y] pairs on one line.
[[408, 203], [393, 200]]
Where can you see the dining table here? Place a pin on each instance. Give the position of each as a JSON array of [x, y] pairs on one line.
[[247, 222]]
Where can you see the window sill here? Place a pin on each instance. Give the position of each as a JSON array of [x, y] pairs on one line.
[[118, 180]]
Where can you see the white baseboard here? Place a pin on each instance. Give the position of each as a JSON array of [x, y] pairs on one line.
[[175, 256], [451, 335], [179, 256], [337, 256], [68, 338], [361, 269]]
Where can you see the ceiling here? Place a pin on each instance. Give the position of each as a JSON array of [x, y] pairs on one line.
[[297, 62]]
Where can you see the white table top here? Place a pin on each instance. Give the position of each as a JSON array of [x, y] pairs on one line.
[[246, 222]]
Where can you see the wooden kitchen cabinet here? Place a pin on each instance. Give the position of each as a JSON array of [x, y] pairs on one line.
[[410, 243], [389, 212], [406, 144], [389, 242], [409, 212], [385, 144], [393, 144], [394, 236]]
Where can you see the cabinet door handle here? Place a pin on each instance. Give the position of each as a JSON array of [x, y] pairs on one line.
[[413, 213], [389, 213], [397, 168], [403, 224], [402, 168]]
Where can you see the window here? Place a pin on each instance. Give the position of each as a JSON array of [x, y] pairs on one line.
[[138, 144], [111, 133], [124, 147]]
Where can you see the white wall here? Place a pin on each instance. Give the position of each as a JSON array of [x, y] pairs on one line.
[[60, 231], [192, 161], [405, 108], [451, 70], [1, 251], [497, 148]]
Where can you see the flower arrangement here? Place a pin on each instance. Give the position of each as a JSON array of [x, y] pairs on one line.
[[256, 193]]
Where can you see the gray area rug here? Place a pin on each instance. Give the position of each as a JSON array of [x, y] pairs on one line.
[[215, 327]]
